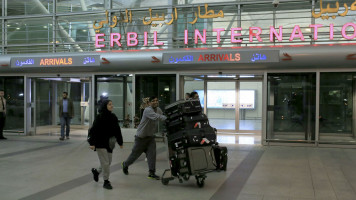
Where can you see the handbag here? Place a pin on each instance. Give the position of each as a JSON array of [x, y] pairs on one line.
[[112, 142]]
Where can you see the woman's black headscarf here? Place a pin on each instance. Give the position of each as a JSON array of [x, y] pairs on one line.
[[103, 107]]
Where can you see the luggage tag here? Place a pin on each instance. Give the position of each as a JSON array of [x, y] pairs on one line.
[[204, 140], [198, 124]]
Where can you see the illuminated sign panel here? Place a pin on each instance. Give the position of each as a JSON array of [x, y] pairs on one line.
[[226, 99], [55, 61], [258, 56]]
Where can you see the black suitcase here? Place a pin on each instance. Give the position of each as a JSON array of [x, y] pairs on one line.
[[179, 163], [220, 157], [182, 107], [194, 137], [187, 122], [201, 159]]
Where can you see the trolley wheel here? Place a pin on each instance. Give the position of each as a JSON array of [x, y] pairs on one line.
[[186, 177], [200, 181], [164, 181]]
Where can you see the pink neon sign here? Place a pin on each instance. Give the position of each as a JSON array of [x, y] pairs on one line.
[[254, 33]]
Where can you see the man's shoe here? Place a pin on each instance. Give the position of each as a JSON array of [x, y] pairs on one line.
[[67, 137], [3, 138], [61, 138], [107, 185], [95, 174], [125, 169], [153, 176]]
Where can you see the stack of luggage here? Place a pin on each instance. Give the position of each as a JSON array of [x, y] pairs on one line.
[[192, 146]]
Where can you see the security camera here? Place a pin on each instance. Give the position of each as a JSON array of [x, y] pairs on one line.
[[275, 3]]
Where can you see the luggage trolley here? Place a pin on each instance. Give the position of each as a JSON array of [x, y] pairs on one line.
[[192, 145], [196, 161]]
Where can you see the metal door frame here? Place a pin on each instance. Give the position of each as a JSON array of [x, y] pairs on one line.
[[31, 129]]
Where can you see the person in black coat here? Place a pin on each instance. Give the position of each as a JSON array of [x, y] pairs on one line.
[[102, 137]]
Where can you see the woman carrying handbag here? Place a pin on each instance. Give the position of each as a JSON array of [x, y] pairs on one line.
[[103, 135]]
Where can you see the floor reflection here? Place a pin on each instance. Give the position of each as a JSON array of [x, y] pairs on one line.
[[226, 139], [246, 140], [237, 139]]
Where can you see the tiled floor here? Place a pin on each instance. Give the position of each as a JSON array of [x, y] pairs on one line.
[[42, 167]]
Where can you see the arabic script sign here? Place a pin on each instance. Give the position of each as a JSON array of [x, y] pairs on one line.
[[147, 20], [55, 61], [334, 10], [261, 56]]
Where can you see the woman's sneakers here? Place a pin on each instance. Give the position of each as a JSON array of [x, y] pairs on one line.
[[95, 174], [107, 185]]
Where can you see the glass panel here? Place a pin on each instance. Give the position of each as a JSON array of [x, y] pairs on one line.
[[30, 49], [81, 5], [119, 4], [250, 106], [337, 103], [323, 32], [14, 93], [49, 92], [161, 86], [30, 31], [290, 14], [221, 104], [251, 16], [291, 107], [78, 28], [28, 7], [194, 84], [117, 88]]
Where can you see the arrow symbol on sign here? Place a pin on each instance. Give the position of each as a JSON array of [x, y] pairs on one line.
[[351, 57], [155, 60], [105, 61], [288, 57]]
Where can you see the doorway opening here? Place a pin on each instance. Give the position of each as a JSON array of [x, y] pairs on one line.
[[46, 92], [232, 103]]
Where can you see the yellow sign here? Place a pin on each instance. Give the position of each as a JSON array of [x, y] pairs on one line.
[[156, 18], [333, 10]]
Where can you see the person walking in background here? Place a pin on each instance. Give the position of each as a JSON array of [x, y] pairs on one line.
[[2, 114], [194, 95], [66, 113], [187, 96], [145, 140], [103, 135]]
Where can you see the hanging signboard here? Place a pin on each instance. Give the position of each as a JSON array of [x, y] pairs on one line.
[[258, 56], [55, 61]]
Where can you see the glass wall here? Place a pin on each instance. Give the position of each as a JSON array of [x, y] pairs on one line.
[[222, 95], [162, 86], [14, 93], [194, 84], [117, 88], [337, 107], [250, 96], [35, 26], [47, 92], [221, 104], [291, 107]]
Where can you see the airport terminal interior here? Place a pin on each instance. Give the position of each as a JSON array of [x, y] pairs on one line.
[[275, 78]]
